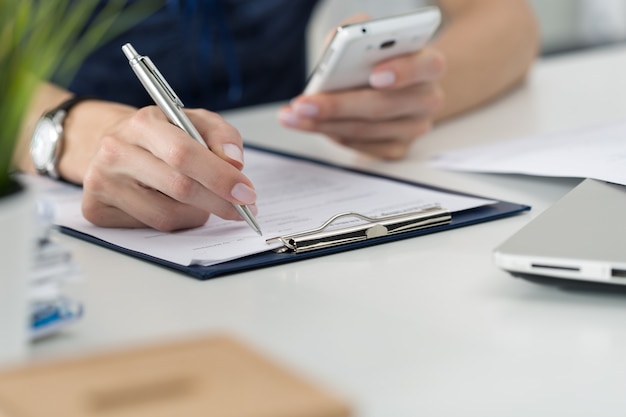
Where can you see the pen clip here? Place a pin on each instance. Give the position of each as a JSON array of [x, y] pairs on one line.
[[320, 238], [162, 81]]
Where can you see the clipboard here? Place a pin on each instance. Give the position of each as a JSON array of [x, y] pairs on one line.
[[326, 240]]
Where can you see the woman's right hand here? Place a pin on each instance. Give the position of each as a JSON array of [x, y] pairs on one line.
[[139, 170]]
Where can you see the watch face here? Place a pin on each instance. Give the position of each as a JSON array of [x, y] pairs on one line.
[[44, 143]]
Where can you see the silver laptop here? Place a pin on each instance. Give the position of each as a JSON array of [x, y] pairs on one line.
[[581, 238]]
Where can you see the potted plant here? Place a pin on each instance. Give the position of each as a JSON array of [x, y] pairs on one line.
[[37, 39]]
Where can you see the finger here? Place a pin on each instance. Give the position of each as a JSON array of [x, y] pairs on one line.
[[306, 112], [427, 65], [220, 137], [182, 154], [134, 205], [223, 139], [130, 165], [108, 216], [402, 130]]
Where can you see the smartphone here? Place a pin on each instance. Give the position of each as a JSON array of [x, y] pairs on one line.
[[356, 48]]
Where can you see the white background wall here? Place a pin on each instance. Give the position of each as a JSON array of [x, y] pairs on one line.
[[568, 24]]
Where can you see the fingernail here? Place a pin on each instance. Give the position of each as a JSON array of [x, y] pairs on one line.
[[289, 118], [243, 193], [233, 152], [306, 109], [382, 79]]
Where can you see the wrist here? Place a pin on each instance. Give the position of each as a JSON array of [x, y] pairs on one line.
[[48, 137], [85, 126]]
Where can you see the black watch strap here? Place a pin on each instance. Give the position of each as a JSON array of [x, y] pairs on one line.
[[65, 107], [71, 102]]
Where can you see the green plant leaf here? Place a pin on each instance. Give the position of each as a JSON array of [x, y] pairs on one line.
[[39, 38]]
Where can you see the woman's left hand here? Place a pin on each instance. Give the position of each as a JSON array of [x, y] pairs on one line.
[[384, 118]]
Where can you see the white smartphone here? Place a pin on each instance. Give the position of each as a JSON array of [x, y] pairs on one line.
[[356, 48]]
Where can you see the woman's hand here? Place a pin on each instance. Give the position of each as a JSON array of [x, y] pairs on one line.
[[138, 170], [384, 118]]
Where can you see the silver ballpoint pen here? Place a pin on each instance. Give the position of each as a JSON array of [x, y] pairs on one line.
[[164, 97]]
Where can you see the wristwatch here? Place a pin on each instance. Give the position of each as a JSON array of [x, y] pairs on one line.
[[47, 141]]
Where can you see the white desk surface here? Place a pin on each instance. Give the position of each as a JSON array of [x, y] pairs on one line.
[[421, 327]]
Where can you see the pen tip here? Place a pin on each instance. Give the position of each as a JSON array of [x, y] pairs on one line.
[[246, 214]]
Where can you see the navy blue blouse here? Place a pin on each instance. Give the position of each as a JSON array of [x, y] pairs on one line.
[[216, 54]]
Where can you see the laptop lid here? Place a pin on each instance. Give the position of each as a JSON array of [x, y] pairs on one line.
[[582, 237]]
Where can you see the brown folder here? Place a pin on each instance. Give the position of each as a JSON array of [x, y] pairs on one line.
[[211, 376]]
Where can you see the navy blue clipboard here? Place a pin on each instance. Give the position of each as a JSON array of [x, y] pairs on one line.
[[481, 214]]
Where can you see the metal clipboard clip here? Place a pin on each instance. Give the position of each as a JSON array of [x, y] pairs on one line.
[[320, 238]]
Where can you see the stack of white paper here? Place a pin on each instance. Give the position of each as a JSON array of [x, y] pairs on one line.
[[597, 152]]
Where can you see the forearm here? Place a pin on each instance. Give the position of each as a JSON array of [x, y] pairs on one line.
[[489, 47]]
